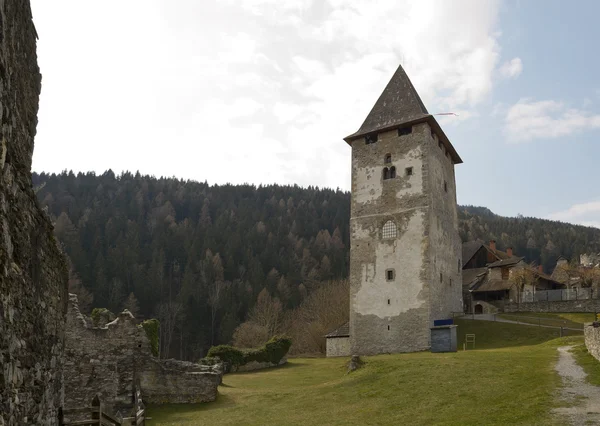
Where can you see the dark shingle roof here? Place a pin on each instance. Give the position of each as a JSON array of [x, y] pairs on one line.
[[505, 262], [493, 285], [400, 104], [472, 276], [469, 249], [342, 331]]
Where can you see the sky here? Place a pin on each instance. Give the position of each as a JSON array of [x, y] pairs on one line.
[[264, 91]]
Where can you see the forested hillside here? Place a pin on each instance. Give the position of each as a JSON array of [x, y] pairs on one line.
[[197, 256]]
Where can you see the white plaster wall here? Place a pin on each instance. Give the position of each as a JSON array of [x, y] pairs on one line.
[[368, 187], [404, 255]]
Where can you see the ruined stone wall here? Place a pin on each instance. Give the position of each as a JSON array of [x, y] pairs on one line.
[[445, 246], [109, 359], [389, 315], [592, 339], [590, 305], [33, 273]]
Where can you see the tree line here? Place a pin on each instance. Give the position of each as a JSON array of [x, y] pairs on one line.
[[201, 257]]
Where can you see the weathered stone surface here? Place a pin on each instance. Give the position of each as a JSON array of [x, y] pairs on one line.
[[33, 273], [111, 358], [338, 346], [592, 339], [395, 315], [589, 305]]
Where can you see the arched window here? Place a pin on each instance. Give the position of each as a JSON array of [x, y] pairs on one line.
[[392, 172], [386, 173], [389, 230], [387, 159]]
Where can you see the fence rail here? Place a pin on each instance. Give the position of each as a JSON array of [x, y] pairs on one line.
[[559, 295], [95, 415]]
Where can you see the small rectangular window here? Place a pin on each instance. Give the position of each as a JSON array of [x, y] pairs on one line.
[[369, 139], [409, 171], [388, 328], [441, 278], [403, 131], [389, 302], [390, 275], [445, 186]]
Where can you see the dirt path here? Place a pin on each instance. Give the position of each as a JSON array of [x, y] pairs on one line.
[[581, 398]]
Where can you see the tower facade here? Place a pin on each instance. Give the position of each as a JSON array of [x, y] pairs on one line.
[[405, 266]]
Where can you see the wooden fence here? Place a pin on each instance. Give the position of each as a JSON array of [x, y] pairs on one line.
[[97, 416]]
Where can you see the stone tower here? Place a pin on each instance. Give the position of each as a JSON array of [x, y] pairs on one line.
[[405, 266]]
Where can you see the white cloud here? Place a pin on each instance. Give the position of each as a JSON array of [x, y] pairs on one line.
[[512, 68], [527, 120], [583, 214], [245, 91]]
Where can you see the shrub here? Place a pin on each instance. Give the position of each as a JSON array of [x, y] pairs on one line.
[[228, 354], [277, 348], [151, 327], [273, 351]]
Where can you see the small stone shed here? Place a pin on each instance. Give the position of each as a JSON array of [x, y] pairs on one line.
[[338, 341]]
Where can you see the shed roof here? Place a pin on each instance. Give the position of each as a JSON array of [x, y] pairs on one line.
[[342, 331], [506, 262]]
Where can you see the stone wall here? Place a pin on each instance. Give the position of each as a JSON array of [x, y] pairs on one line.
[[255, 365], [592, 340], [395, 315], [338, 346], [109, 359], [590, 305], [33, 272]]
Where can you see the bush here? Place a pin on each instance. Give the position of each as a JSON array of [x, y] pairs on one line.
[[151, 327], [273, 351], [228, 354]]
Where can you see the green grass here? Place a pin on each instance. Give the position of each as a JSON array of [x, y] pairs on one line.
[[508, 379], [590, 365], [571, 320]]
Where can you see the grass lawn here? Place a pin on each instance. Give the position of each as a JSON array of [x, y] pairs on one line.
[[508, 379], [571, 320], [590, 364]]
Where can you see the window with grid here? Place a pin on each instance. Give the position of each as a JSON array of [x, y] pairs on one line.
[[389, 230]]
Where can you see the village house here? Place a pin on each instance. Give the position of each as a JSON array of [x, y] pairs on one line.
[[490, 278]]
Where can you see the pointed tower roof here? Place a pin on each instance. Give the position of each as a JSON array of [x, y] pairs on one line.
[[399, 105]]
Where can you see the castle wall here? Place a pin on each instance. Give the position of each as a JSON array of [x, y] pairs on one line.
[[389, 316], [109, 359], [445, 247], [33, 272]]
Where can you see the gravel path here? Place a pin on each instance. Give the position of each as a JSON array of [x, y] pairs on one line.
[[581, 398]]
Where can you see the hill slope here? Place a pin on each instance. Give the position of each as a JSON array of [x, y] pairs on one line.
[[169, 241]]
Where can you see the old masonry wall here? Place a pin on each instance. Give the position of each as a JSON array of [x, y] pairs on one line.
[[33, 272], [111, 358]]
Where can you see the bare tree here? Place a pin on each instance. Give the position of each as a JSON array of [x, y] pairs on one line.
[[325, 309], [131, 304], [168, 315], [523, 277], [85, 297]]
